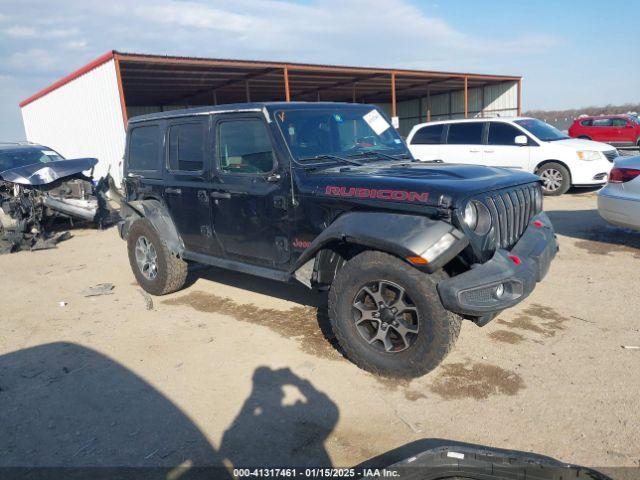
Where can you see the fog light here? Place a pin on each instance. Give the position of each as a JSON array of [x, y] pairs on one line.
[[499, 290]]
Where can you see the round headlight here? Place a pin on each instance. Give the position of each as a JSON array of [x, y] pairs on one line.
[[477, 217], [470, 215], [538, 200], [483, 224]]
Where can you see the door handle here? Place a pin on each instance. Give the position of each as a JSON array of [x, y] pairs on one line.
[[176, 191], [220, 195]]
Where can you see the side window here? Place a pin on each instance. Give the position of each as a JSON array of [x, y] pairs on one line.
[[144, 148], [601, 122], [467, 133], [502, 133], [619, 122], [244, 146], [431, 135], [586, 123], [186, 147]]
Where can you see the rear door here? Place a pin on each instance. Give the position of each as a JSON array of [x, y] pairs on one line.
[[464, 143], [252, 192], [426, 142], [188, 159], [501, 149], [620, 132]]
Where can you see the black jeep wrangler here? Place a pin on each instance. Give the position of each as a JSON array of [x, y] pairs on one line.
[[328, 194]]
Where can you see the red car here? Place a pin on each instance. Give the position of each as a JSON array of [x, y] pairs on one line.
[[619, 130]]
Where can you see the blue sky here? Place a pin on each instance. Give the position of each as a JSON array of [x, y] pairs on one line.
[[571, 54]]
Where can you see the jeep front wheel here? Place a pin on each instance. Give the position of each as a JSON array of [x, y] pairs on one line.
[[156, 269], [388, 318]]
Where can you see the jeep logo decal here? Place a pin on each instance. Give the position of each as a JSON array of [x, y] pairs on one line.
[[396, 195]]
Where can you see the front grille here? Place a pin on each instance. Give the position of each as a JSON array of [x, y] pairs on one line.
[[611, 155], [511, 210]]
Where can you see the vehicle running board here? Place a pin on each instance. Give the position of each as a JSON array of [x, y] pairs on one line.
[[264, 272]]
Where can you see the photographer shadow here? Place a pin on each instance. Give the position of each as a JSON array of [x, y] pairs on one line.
[[69, 411]]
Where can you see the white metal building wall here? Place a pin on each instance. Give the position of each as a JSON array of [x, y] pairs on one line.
[[499, 100], [82, 118]]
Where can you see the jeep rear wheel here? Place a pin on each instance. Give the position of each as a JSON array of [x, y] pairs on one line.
[[388, 318], [156, 269]]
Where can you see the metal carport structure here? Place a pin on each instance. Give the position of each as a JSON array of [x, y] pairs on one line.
[[77, 114]]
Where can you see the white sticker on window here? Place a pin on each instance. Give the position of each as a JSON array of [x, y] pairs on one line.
[[376, 121], [455, 455], [49, 152]]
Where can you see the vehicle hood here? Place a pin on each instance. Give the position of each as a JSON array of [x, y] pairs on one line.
[[582, 144], [455, 181], [44, 173]]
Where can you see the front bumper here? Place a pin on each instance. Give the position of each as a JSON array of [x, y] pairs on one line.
[[593, 172], [505, 280]]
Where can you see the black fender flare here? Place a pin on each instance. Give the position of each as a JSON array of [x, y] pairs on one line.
[[158, 215], [398, 234]]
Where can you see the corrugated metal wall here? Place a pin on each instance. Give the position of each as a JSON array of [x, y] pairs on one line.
[[82, 119], [499, 100]]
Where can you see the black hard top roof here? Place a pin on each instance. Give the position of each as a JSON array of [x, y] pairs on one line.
[[13, 146], [255, 106]]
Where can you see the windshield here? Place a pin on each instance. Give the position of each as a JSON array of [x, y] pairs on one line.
[[339, 132], [542, 130], [22, 157]]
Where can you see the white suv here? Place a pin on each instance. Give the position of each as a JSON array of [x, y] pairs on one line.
[[523, 143]]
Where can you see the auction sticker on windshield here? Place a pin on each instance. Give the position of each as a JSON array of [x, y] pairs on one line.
[[376, 121]]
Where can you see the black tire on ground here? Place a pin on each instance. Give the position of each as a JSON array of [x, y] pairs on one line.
[[584, 137], [437, 329], [171, 272], [556, 179]]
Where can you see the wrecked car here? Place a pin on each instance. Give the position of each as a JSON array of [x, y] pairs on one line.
[[329, 194], [37, 187]]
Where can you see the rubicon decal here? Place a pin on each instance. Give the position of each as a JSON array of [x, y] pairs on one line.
[[358, 192]]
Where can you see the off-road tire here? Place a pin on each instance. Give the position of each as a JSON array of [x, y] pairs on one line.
[[172, 271], [438, 328], [566, 178]]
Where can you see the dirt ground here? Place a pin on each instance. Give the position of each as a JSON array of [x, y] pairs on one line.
[[237, 370]]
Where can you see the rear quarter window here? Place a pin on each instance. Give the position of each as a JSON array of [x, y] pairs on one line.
[[145, 144], [586, 123]]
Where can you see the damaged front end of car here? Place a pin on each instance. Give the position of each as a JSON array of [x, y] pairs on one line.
[[33, 197]]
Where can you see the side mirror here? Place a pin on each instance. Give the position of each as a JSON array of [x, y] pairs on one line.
[[521, 140], [273, 177]]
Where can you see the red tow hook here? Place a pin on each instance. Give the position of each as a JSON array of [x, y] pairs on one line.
[[515, 259], [538, 224]]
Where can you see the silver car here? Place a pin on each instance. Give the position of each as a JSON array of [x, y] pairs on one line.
[[619, 200]]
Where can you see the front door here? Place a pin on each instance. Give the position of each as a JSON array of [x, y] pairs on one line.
[[251, 192], [187, 187], [501, 149]]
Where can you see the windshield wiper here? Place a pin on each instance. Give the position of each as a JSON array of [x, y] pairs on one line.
[[329, 157], [369, 153]]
